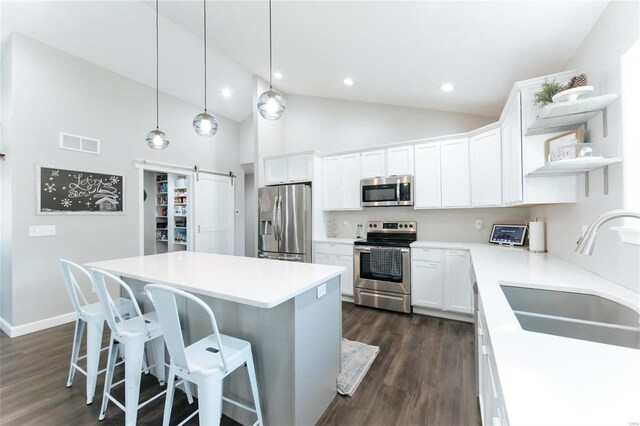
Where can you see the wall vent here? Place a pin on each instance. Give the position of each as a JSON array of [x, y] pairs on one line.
[[79, 143]]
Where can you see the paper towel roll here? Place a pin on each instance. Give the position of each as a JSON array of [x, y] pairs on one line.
[[536, 237]]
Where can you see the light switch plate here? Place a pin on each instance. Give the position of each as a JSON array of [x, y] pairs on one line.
[[321, 290], [479, 224], [42, 231]]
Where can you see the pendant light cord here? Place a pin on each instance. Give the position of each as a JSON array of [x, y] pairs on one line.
[[157, 71], [270, 50], [205, 55]]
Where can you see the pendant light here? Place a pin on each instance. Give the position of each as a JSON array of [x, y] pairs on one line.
[[271, 104], [156, 139], [204, 124]]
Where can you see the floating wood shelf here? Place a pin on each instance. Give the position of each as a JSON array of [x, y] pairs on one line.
[[561, 116]]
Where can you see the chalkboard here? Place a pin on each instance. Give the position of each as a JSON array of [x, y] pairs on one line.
[[74, 191]]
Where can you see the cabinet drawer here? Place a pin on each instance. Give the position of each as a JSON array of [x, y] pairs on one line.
[[332, 248], [433, 255]]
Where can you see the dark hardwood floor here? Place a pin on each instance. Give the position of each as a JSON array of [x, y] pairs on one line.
[[423, 375]]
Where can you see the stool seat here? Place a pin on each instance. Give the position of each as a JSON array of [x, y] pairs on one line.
[[134, 328], [202, 360]]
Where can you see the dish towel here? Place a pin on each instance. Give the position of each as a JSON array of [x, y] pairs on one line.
[[386, 262]]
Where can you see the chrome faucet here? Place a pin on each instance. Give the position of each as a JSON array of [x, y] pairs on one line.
[[587, 241]]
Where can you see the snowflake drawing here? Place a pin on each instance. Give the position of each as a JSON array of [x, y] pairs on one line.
[[55, 172], [66, 202], [114, 180], [49, 187], [88, 204]]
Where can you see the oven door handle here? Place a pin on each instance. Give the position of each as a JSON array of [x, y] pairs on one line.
[[361, 249]]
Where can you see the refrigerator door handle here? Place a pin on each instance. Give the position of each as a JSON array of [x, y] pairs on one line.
[[275, 218], [279, 204]]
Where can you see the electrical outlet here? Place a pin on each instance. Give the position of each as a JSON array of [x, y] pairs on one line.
[[345, 223], [479, 224], [42, 231], [321, 290]]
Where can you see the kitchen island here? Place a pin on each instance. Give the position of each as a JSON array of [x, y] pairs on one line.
[[280, 307]]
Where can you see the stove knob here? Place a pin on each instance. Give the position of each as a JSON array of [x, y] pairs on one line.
[[375, 225], [405, 225], [410, 226], [370, 225]]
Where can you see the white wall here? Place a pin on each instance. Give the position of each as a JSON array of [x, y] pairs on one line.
[[330, 125], [54, 91], [600, 57], [450, 225]]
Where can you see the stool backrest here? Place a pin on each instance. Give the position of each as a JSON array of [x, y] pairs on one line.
[[109, 308], [78, 300], [164, 300]]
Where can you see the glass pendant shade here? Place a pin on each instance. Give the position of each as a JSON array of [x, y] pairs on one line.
[[271, 105], [205, 125], [156, 139]]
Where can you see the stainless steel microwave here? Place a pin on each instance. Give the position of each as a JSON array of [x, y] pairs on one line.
[[387, 191]]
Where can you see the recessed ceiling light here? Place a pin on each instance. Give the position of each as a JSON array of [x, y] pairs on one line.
[[447, 87], [226, 92], [348, 82], [277, 75]]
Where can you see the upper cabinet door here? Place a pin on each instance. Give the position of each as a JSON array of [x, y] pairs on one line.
[[455, 173], [512, 154], [300, 168], [400, 160], [331, 183], [486, 170], [275, 170], [427, 175], [373, 163], [350, 182]]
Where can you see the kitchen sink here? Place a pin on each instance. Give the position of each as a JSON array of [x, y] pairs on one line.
[[574, 315]]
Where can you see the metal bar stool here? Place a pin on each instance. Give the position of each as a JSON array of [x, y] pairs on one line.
[[133, 334], [91, 316], [205, 363]]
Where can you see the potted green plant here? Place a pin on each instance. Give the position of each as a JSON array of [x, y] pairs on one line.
[[547, 90]]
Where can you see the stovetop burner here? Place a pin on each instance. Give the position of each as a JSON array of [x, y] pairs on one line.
[[390, 234]]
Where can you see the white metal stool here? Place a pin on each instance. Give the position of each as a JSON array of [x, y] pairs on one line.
[[91, 316], [133, 334], [205, 363]]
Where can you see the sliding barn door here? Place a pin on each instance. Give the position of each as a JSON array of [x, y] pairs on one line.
[[213, 214]]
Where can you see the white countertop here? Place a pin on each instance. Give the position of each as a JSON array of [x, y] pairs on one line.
[[345, 241], [262, 283], [549, 379]]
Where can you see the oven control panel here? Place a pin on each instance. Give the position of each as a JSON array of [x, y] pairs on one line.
[[405, 227]]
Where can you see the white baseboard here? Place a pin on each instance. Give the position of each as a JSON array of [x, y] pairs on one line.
[[443, 314], [32, 327]]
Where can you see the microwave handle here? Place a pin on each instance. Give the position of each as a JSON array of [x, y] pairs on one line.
[[398, 192]]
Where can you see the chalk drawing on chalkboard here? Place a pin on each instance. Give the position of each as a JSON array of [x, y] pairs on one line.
[[61, 191]]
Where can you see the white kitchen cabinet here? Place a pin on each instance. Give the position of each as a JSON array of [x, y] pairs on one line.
[[427, 176], [374, 163], [426, 284], [300, 168], [288, 169], [486, 171], [346, 278], [331, 183], [458, 288], [492, 408], [512, 154], [275, 170], [341, 182], [338, 254], [400, 160], [454, 163]]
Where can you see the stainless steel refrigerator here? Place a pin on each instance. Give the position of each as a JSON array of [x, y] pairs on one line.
[[284, 224]]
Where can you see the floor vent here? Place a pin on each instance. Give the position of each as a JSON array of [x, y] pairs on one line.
[[79, 143]]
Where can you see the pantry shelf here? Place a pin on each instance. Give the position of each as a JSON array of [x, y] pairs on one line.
[[574, 166]]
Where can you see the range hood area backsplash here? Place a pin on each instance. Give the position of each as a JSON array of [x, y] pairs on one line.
[[434, 225]]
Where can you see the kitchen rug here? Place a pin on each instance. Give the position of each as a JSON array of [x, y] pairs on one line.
[[356, 360]]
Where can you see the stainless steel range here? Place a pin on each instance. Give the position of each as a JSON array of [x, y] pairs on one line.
[[382, 266]]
